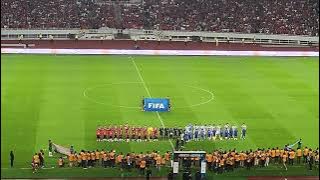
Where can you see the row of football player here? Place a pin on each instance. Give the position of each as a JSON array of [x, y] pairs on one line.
[[121, 133], [137, 134], [195, 132], [190, 132]]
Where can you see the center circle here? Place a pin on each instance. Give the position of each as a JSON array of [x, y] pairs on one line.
[[130, 94]]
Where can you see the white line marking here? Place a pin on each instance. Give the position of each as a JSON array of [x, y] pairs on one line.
[[141, 78], [201, 103], [85, 94], [149, 94], [159, 117]]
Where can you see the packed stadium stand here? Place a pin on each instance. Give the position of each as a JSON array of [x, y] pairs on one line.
[[246, 16]]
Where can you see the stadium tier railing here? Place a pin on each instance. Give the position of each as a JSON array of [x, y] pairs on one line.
[[155, 35]]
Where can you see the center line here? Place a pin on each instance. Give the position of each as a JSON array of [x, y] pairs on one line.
[[149, 94], [141, 78]]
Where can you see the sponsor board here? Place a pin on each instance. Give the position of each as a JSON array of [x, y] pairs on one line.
[[158, 52], [156, 104]]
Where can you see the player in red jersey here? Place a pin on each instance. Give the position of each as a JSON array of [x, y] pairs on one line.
[[111, 133], [107, 132], [155, 134], [104, 132], [120, 130], [144, 133], [133, 133], [136, 131], [101, 134], [126, 131], [116, 135], [139, 133], [98, 134]]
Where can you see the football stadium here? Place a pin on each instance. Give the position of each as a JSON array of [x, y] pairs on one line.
[[168, 89]]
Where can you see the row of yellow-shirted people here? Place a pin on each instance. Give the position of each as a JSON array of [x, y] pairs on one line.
[[217, 161]]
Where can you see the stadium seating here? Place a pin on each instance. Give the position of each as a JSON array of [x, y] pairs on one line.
[[248, 16]]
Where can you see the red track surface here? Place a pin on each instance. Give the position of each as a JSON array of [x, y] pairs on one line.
[[151, 45]]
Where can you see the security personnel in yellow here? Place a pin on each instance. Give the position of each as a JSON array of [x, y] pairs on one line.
[[79, 159], [97, 155], [36, 159], [88, 155], [60, 162], [83, 159], [292, 155], [167, 156], [93, 158], [142, 165], [277, 151], [71, 158], [104, 159], [273, 154], [112, 158], [209, 159], [305, 154], [299, 155]]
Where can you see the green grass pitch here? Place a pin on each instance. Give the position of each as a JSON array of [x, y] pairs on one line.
[[65, 97]]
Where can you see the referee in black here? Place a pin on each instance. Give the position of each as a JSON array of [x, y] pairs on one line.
[[169, 104], [11, 158], [142, 104]]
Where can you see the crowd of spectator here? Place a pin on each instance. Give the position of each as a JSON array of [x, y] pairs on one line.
[[248, 16], [218, 161], [132, 16], [56, 14]]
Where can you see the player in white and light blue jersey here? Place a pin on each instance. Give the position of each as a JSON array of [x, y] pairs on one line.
[[185, 137], [209, 132], [188, 132], [226, 133], [196, 133], [202, 132], [230, 136], [214, 130], [222, 133], [243, 131], [234, 132], [218, 132]]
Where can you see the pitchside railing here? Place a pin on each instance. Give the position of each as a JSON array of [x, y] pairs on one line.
[[155, 35]]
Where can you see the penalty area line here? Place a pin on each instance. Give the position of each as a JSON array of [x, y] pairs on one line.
[[149, 94]]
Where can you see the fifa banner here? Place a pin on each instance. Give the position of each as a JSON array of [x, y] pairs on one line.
[[61, 149], [156, 104]]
